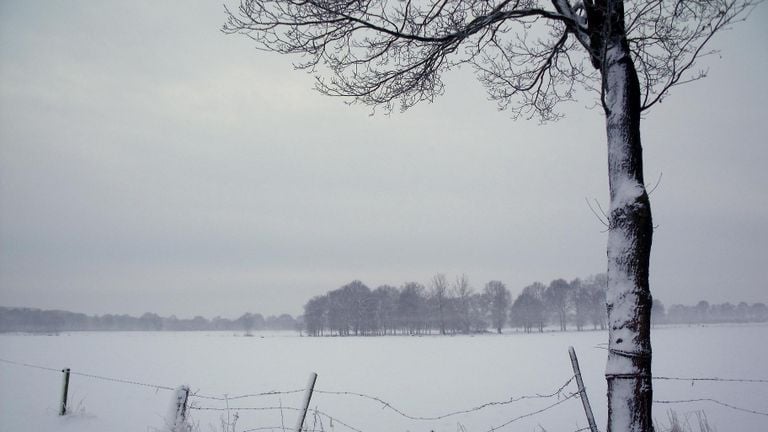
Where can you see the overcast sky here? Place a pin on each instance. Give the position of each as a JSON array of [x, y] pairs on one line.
[[150, 163]]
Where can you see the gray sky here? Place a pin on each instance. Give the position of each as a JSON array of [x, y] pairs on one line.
[[150, 163]]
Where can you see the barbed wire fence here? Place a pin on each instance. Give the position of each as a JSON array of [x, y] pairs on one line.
[[322, 421], [561, 395]]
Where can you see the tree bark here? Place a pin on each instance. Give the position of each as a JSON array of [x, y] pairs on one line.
[[628, 370]]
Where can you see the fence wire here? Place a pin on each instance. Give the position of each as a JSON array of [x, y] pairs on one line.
[[560, 393], [715, 401], [92, 376], [389, 406], [716, 379], [533, 413], [122, 381], [243, 408], [334, 420], [245, 396], [33, 366]]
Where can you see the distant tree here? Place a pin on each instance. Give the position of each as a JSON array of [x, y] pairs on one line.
[[50, 322], [218, 323], [411, 307], [463, 293], [438, 296], [339, 319], [681, 314], [702, 311], [758, 312], [198, 323], [357, 300], [299, 325], [498, 299], [528, 310], [151, 321], [724, 312], [247, 322], [658, 313], [259, 322], [581, 298], [169, 323], [282, 322], [386, 300], [479, 313], [558, 300], [315, 315], [742, 312], [453, 320]]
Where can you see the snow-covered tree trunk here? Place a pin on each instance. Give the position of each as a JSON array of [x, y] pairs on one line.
[[628, 370]]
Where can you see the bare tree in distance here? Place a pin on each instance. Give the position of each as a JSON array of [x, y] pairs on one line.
[[527, 311], [439, 292], [558, 299], [530, 55], [462, 293], [499, 300]]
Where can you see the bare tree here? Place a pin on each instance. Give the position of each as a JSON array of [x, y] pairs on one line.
[[247, 322], [530, 55], [439, 291], [411, 308], [386, 300], [462, 292], [558, 300], [581, 301], [315, 314], [499, 300], [528, 309]]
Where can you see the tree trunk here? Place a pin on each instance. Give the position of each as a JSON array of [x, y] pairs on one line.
[[628, 370]]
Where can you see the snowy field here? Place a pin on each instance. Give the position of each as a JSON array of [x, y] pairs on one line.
[[421, 376]]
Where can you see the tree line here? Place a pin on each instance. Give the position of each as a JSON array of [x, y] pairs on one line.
[[703, 312], [451, 307], [53, 321], [443, 307]]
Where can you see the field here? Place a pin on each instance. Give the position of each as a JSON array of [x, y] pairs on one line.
[[421, 376]]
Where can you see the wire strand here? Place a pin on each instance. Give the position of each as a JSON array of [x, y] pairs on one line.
[[267, 408], [87, 375], [533, 413], [711, 379], [245, 396], [715, 401], [31, 365], [123, 381], [450, 414]]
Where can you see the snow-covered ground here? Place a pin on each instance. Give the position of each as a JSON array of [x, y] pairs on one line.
[[421, 376]]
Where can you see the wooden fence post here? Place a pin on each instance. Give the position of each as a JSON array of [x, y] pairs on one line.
[[176, 418], [64, 391], [582, 390], [305, 404]]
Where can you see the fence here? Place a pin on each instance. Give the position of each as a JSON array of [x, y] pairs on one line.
[[183, 401]]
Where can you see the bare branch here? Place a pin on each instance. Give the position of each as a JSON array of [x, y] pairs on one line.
[[380, 52], [668, 37]]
